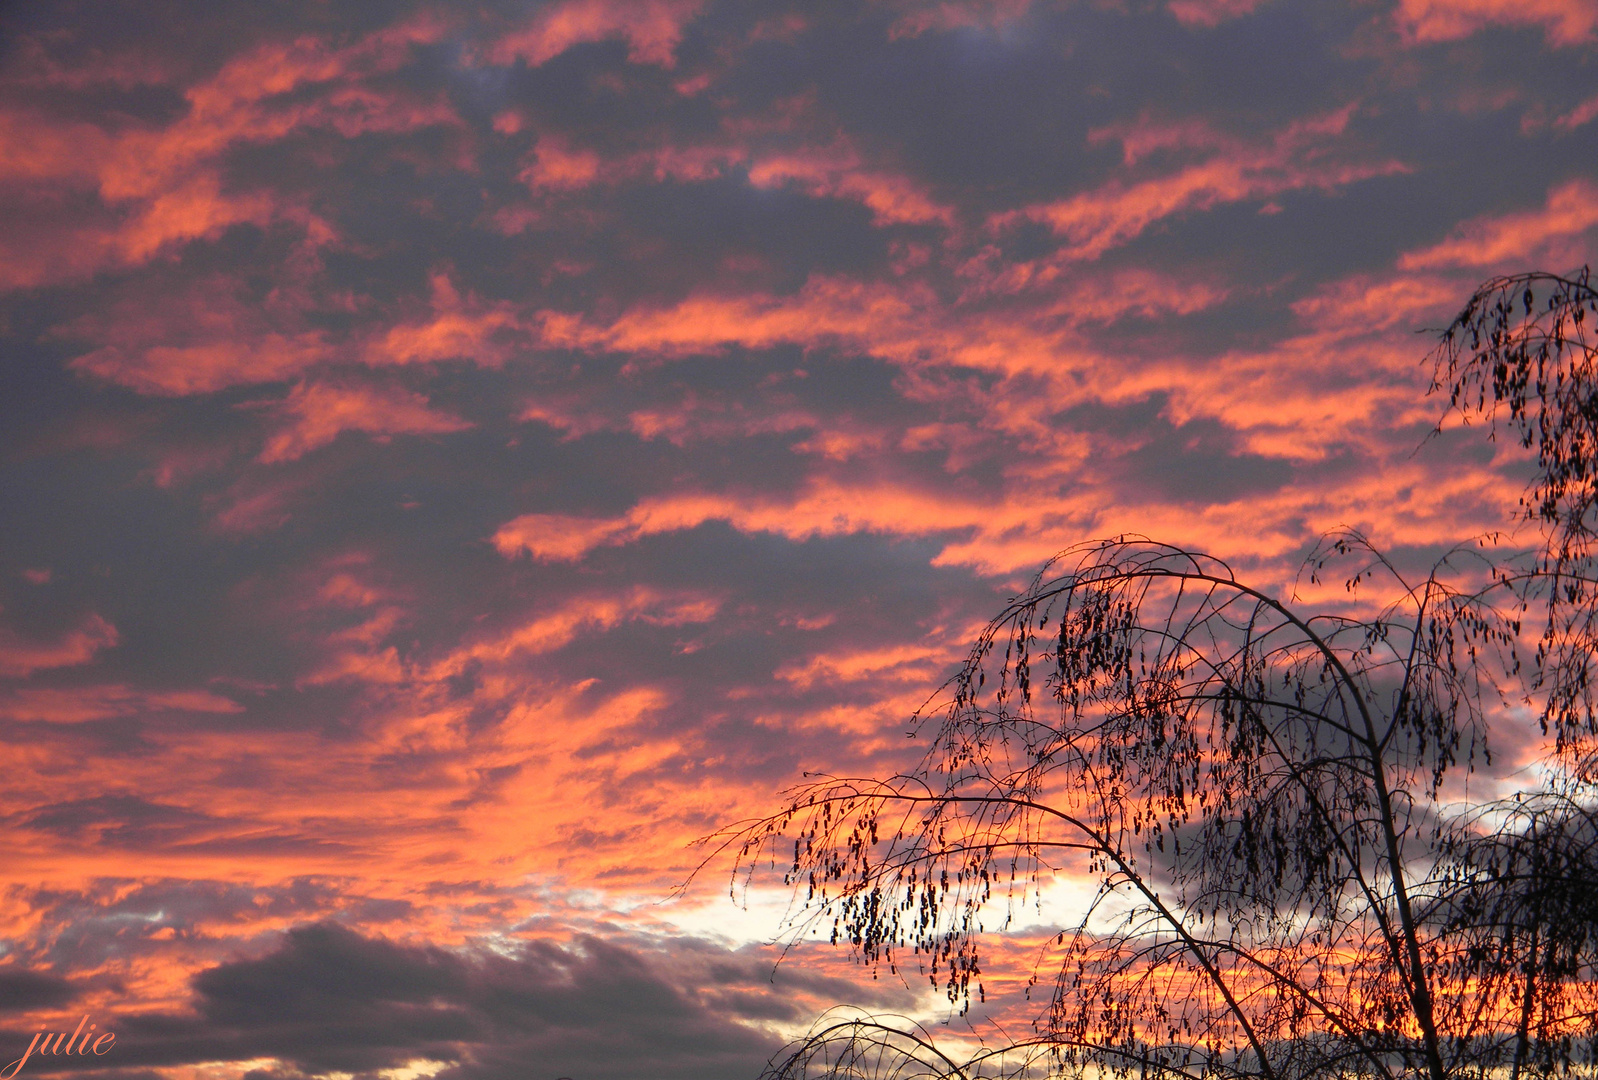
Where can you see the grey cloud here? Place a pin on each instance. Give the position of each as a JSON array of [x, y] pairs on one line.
[[331, 999]]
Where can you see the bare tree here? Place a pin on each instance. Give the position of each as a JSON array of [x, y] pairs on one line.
[[1258, 787]]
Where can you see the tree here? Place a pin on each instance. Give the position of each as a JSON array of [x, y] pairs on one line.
[[1523, 343], [1258, 786], [1525, 890]]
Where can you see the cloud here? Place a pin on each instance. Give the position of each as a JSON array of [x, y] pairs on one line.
[[557, 166], [503, 463], [25, 991], [823, 509], [836, 172], [651, 28], [211, 334], [20, 657], [1581, 114], [941, 16], [1367, 304], [1296, 158], [1210, 13], [1571, 209], [1564, 22], [156, 188], [320, 412], [204, 337], [329, 999], [456, 328], [591, 613], [74, 705], [915, 664], [558, 537]]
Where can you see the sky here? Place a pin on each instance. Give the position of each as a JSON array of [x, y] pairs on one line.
[[454, 456]]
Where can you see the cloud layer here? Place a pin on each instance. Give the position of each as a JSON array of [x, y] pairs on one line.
[[457, 456]]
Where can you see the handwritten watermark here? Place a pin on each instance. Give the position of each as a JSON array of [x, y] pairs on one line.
[[59, 1044]]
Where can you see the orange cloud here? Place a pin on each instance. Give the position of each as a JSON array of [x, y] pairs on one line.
[[593, 613], [1564, 22], [77, 705], [826, 309], [823, 509], [917, 664], [20, 658], [321, 412], [1296, 158], [1571, 209], [1364, 304], [160, 187], [558, 537], [651, 28]]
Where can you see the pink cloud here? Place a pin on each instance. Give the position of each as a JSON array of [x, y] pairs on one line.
[[20, 658], [651, 28], [32, 65], [836, 172], [197, 341], [1570, 210], [922, 16], [161, 187], [34, 147], [320, 412], [1208, 13], [1297, 158], [902, 321], [1578, 116], [1564, 22], [252, 507], [555, 165], [456, 328], [559, 537]]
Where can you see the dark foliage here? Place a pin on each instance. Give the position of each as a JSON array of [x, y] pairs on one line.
[[1264, 791], [1526, 344]]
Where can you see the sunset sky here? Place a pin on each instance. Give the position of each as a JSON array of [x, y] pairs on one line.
[[452, 456]]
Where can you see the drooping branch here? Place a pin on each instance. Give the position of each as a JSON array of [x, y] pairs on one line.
[[1252, 779]]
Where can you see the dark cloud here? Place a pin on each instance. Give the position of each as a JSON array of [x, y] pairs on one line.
[[330, 999], [27, 991]]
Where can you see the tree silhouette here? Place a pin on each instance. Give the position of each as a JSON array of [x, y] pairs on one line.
[[1525, 894], [1524, 344], [1259, 788]]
